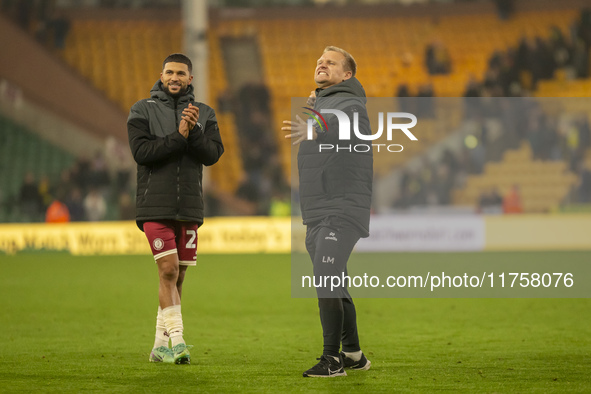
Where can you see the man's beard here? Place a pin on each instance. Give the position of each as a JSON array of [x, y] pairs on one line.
[[180, 93]]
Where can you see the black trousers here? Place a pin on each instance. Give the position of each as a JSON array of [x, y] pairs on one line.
[[329, 243]]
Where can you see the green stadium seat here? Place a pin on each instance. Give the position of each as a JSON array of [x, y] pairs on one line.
[[25, 151]]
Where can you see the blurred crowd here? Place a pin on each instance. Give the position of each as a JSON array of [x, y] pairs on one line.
[[263, 189], [44, 19], [517, 70], [95, 189], [89, 190], [511, 73], [565, 138]]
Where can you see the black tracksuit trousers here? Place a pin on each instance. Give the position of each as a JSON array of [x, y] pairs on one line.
[[330, 243]]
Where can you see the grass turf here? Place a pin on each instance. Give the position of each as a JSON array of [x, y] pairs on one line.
[[72, 324]]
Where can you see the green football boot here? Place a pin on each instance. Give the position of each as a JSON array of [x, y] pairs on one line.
[[162, 354], [181, 353]]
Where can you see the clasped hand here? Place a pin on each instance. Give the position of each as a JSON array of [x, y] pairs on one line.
[[189, 119]]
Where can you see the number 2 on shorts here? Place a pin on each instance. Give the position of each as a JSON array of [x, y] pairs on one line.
[[191, 242]]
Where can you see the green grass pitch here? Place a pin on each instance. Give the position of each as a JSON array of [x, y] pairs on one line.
[[72, 324]]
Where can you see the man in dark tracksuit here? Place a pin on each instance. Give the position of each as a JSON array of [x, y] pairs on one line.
[[171, 138], [335, 195]]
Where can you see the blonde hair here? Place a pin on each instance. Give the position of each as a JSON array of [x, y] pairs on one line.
[[350, 64]]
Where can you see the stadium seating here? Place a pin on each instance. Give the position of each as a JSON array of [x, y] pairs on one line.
[[123, 59], [543, 184], [564, 88], [22, 151], [228, 172], [388, 50], [124, 56]]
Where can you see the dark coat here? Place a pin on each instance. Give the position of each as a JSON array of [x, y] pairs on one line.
[[169, 166], [337, 182]]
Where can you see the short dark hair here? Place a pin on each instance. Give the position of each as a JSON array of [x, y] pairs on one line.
[[178, 58]]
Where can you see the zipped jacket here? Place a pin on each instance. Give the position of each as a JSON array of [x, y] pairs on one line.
[[170, 166], [338, 181]]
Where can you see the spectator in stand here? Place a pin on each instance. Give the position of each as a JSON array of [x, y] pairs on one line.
[[75, 205], [425, 102], [491, 85], [30, 201], [249, 194], [126, 207], [57, 212], [406, 102], [542, 136], [545, 58], [442, 184], [64, 184], [512, 201], [505, 8], [534, 60], [572, 150], [508, 75], [582, 28], [584, 131], [45, 191], [280, 202], [80, 174], [99, 174], [7, 7], [226, 101], [213, 200], [584, 186], [95, 206], [58, 26], [427, 175], [254, 97], [24, 13], [437, 58], [473, 87], [259, 150], [580, 59], [258, 146], [403, 90], [535, 132], [490, 202], [471, 105], [119, 165], [560, 47], [477, 157], [583, 140]]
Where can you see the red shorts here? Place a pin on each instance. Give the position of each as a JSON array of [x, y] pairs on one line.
[[170, 236]]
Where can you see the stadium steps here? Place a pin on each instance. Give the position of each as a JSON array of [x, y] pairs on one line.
[[543, 184], [228, 173]]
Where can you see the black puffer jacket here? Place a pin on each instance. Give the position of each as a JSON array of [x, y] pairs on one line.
[[338, 182], [169, 166]]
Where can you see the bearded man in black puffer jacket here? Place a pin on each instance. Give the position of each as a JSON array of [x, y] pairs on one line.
[[171, 138]]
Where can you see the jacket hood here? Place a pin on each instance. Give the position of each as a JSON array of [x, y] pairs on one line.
[[349, 88], [158, 92]]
